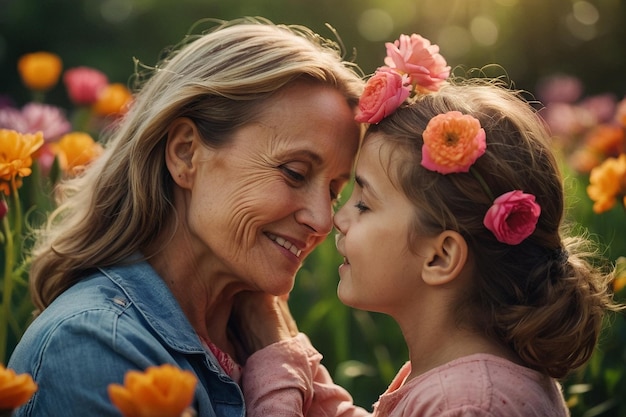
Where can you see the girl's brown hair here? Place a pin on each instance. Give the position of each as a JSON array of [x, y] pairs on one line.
[[544, 298]]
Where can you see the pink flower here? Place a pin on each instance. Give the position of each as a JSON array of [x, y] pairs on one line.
[[84, 84], [559, 88], [512, 217], [415, 56], [36, 117], [50, 120], [383, 94], [453, 141], [11, 118]]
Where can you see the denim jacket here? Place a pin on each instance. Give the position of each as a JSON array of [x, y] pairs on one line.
[[118, 319]]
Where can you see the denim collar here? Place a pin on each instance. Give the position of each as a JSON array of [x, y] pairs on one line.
[[156, 303]]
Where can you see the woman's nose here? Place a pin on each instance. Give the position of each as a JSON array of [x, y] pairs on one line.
[[339, 220], [317, 214]]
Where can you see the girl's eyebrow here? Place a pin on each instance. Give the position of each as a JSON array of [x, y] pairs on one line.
[[366, 186], [361, 181]]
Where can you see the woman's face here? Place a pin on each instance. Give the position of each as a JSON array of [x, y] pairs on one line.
[[260, 204], [379, 272]]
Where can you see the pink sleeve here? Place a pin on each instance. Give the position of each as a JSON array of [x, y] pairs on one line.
[[286, 379]]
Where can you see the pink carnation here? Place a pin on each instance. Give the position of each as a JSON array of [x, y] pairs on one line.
[[36, 117], [383, 94], [512, 217], [417, 57], [84, 84], [44, 118]]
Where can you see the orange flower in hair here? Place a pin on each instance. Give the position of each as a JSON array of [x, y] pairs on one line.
[[453, 141], [160, 391]]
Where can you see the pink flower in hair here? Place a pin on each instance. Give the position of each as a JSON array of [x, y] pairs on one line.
[[453, 141], [416, 56], [84, 84], [384, 92], [513, 217]]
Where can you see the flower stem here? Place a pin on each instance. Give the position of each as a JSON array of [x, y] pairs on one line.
[[7, 287], [11, 241], [482, 182]]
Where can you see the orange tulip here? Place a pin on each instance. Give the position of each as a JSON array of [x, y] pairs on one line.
[[76, 150], [619, 283], [40, 70], [160, 391], [15, 389], [16, 157], [606, 182], [606, 139], [113, 99]]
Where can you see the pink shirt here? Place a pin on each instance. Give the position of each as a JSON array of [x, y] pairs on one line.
[[286, 379], [475, 385]]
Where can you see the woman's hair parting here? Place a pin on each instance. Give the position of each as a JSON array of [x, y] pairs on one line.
[[220, 79], [536, 291]]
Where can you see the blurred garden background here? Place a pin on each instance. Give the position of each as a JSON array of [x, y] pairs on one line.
[[569, 54]]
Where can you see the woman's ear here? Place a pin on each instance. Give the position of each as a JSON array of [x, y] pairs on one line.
[[446, 258], [182, 142]]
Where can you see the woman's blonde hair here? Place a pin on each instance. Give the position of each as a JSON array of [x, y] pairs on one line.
[[544, 298], [219, 80]]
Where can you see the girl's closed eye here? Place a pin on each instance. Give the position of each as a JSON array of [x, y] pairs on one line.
[[361, 206]]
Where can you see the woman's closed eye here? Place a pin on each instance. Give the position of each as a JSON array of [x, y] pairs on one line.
[[293, 175]]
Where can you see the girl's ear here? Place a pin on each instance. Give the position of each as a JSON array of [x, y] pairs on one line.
[[446, 259], [182, 142]]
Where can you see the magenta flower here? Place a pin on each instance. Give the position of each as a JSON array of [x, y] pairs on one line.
[[84, 84], [384, 92], [417, 57], [512, 217]]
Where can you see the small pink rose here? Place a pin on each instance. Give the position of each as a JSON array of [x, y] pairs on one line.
[[84, 84], [383, 94], [416, 56], [512, 217]]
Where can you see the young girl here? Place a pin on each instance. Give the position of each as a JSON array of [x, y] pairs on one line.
[[455, 229]]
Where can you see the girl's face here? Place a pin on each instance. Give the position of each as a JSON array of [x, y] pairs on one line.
[[379, 272], [260, 204]]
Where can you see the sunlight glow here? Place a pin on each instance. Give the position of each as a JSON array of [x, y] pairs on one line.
[[484, 30], [375, 24], [454, 41]]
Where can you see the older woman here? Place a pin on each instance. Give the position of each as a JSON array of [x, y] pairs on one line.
[[220, 179]]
